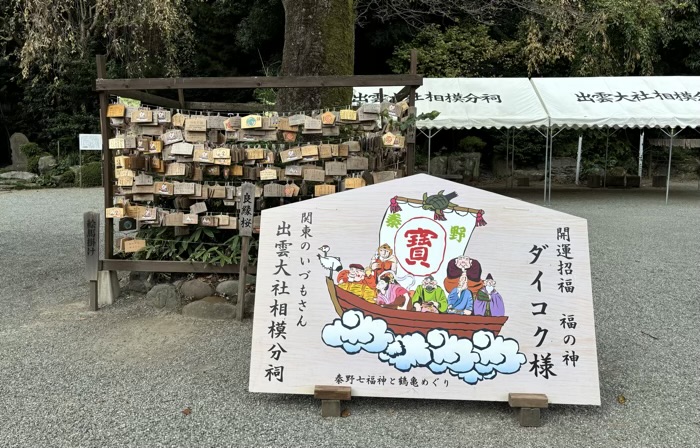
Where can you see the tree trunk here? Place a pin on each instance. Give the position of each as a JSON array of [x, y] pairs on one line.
[[319, 39]]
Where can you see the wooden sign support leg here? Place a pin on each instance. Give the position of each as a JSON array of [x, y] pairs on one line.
[[330, 397], [242, 275], [530, 405]]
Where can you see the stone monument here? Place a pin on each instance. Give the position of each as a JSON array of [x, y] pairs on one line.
[[19, 160]]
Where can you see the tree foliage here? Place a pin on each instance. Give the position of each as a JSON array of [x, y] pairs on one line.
[[464, 50], [144, 36], [47, 49], [595, 38]]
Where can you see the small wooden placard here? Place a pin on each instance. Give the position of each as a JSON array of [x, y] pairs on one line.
[[358, 163], [330, 131], [293, 170], [354, 182], [196, 124], [116, 143], [296, 120], [134, 245], [325, 151], [115, 111], [290, 155], [348, 115], [254, 154], [176, 169], [353, 146], [142, 116], [203, 155], [217, 192], [209, 221], [309, 150], [182, 149], [336, 169], [323, 190], [222, 153], [195, 137], [172, 136], [251, 122], [184, 188], [314, 175], [268, 174], [114, 212]]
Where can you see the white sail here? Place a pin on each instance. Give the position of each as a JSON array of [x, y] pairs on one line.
[[422, 244]]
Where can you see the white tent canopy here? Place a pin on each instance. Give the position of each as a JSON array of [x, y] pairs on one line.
[[633, 101], [466, 103], [671, 103]]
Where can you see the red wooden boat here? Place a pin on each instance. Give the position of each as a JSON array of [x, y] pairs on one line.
[[403, 322]]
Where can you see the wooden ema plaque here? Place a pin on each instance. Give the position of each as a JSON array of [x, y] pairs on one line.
[[424, 288]]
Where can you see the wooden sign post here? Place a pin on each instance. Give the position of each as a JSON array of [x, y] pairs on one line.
[[91, 231], [246, 209], [424, 288]]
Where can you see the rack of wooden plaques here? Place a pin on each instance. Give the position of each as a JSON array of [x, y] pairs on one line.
[[137, 88]]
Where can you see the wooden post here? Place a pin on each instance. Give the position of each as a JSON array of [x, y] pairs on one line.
[[107, 172], [530, 405], [411, 142], [330, 397], [181, 97], [91, 231], [246, 209]]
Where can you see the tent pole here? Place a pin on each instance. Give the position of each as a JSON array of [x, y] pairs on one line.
[[430, 138], [641, 154], [551, 157], [578, 157], [546, 162], [512, 159], [670, 152], [605, 173], [509, 181]]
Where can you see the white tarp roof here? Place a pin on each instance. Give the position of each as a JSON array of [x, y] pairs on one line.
[[649, 101], [466, 103]]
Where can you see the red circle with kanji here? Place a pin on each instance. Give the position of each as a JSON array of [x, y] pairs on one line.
[[420, 245]]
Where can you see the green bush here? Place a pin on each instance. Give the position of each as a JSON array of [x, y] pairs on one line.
[[472, 144], [67, 178], [33, 164], [46, 180], [91, 175], [31, 150]]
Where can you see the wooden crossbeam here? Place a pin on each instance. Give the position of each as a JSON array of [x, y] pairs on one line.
[[157, 100], [170, 266], [252, 82]]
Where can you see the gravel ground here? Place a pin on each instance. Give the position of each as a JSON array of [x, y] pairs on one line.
[[123, 375]]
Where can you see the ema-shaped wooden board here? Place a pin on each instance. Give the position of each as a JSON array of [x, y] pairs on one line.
[[424, 288]]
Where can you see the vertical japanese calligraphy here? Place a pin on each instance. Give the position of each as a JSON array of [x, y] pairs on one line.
[[246, 210]]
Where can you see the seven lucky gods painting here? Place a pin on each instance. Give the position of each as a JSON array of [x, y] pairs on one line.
[[424, 288]]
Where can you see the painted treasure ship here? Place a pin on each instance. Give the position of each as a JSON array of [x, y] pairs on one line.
[[404, 322], [420, 259]]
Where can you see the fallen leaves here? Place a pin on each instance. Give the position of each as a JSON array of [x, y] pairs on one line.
[[621, 399], [345, 413], [186, 412]]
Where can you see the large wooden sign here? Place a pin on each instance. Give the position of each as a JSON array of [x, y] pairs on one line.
[[424, 288]]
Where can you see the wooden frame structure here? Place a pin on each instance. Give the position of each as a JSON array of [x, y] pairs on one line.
[[134, 88]]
